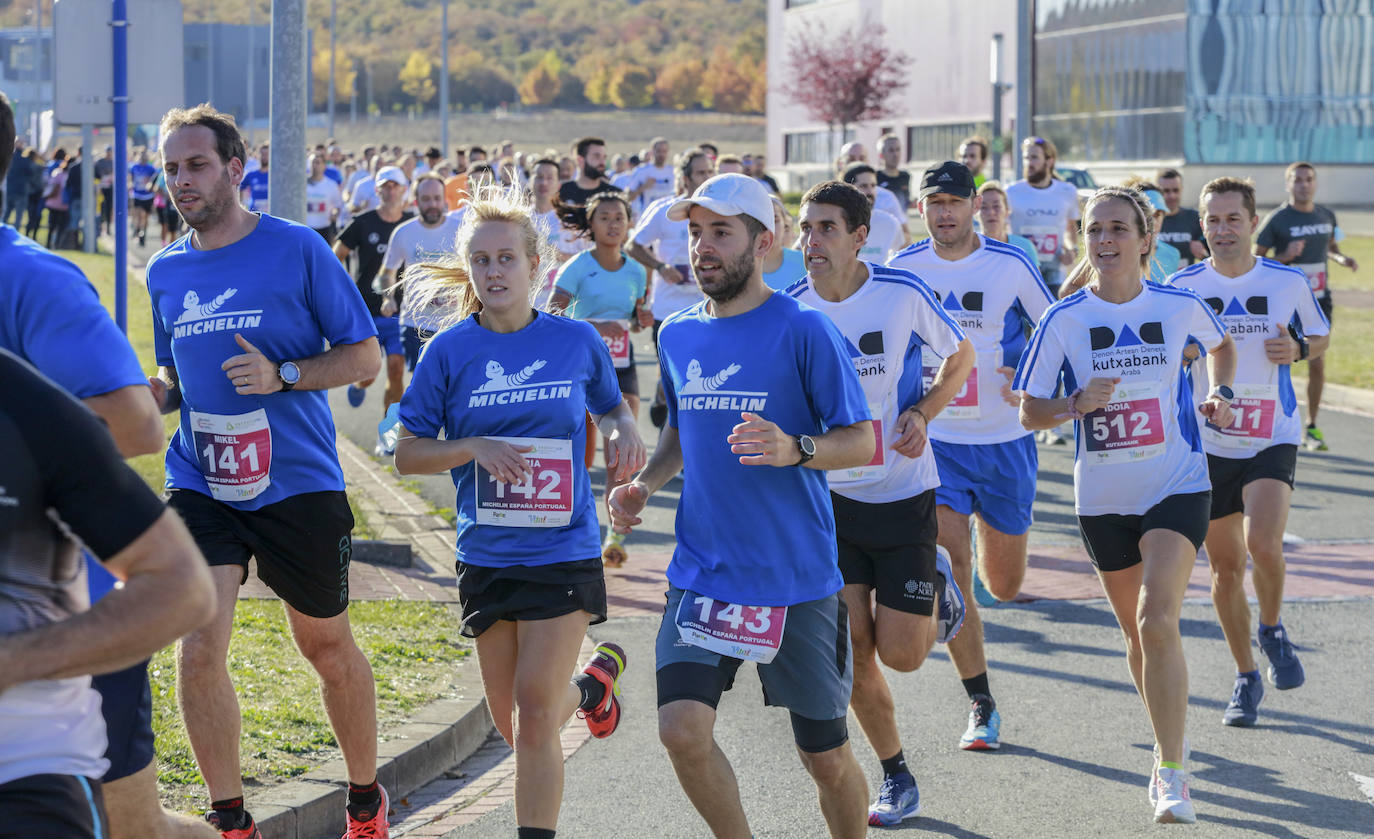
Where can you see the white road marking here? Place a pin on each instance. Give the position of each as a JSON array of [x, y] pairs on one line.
[[1292, 538], [1366, 786]]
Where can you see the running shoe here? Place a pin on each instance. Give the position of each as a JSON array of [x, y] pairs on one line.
[[981, 595], [984, 731], [356, 395], [613, 550], [370, 825], [951, 607], [898, 799], [249, 832], [1285, 671], [1243, 710], [1314, 439], [1154, 770], [1174, 804], [606, 666]]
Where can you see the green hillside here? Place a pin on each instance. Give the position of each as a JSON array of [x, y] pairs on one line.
[[678, 54]]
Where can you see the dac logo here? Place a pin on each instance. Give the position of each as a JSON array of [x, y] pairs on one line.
[[972, 301], [1257, 305], [1104, 337]]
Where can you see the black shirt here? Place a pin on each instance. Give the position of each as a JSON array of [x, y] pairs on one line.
[[1179, 230], [571, 193], [899, 184], [367, 236], [61, 480]]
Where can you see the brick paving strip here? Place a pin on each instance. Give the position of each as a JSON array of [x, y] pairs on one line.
[[441, 784]]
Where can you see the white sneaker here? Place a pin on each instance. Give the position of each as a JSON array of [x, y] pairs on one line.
[[1154, 770], [1175, 805]]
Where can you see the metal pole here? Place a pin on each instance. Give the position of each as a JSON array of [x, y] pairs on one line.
[[997, 106], [36, 100], [252, 93], [120, 194], [333, 20], [443, 78], [286, 176], [87, 188], [1025, 76]]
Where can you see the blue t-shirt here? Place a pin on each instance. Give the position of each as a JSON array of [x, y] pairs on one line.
[[538, 382], [142, 175], [286, 293], [599, 294], [793, 268], [256, 184], [333, 173], [755, 535]]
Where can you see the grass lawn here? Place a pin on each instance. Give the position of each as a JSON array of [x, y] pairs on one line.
[[414, 649], [1350, 361]]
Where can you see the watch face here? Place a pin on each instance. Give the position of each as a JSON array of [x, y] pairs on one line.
[[290, 373], [808, 446]]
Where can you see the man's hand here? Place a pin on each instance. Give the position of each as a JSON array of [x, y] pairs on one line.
[[389, 307], [1198, 249], [644, 315], [1096, 394], [627, 502], [1281, 348], [1217, 411], [1009, 396], [609, 328], [1067, 256], [761, 443], [625, 452], [911, 433], [1291, 252], [251, 373], [160, 391], [671, 274]]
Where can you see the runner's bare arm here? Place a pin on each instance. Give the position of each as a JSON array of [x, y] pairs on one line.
[[627, 501], [1341, 259], [1077, 278], [133, 418], [341, 250], [949, 379], [1038, 414], [252, 372], [651, 263], [1221, 370], [624, 449], [760, 442], [560, 302], [167, 593], [430, 456], [166, 389]]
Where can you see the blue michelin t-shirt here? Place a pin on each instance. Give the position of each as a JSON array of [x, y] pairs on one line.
[[142, 175], [793, 268], [599, 294], [539, 382], [285, 292], [755, 535], [256, 184]]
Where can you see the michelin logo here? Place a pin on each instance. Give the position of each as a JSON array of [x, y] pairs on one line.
[[705, 394], [502, 388], [203, 318]]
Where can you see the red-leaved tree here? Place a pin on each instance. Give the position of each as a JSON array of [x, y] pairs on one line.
[[844, 77]]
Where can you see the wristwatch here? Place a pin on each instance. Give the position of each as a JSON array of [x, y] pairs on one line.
[[1223, 392], [289, 374], [1303, 349], [807, 447]]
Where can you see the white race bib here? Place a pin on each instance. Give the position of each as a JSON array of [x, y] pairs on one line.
[[545, 499], [235, 453], [964, 405], [876, 467], [1255, 408], [750, 633], [1129, 429]]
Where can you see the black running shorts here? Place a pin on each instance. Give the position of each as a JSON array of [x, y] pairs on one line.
[[1231, 474], [126, 703], [1113, 541], [303, 544], [890, 547], [63, 806], [488, 594]]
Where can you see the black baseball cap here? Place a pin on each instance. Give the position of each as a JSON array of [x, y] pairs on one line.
[[950, 177]]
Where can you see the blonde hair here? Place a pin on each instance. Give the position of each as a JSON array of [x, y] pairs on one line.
[[1083, 273], [995, 186], [447, 281]]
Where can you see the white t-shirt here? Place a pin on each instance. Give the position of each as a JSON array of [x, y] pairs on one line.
[[366, 194], [1144, 446], [659, 180], [321, 198], [624, 181], [669, 241], [1042, 215], [886, 324], [412, 243], [1254, 307], [884, 238], [887, 201], [987, 293]]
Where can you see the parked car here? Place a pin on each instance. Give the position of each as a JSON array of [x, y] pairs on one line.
[[1081, 179]]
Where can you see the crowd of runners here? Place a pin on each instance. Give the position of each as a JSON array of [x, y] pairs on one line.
[[851, 413]]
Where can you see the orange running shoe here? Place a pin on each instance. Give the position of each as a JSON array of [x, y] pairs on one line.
[[606, 666], [371, 825], [249, 832]]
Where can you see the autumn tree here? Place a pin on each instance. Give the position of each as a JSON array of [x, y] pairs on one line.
[[725, 86], [678, 85], [417, 78], [598, 84], [543, 82], [631, 87], [345, 75], [844, 77]]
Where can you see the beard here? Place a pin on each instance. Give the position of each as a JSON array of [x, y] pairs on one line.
[[213, 207], [431, 216], [734, 277], [592, 173]]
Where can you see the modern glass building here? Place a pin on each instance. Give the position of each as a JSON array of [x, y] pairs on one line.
[[1214, 82]]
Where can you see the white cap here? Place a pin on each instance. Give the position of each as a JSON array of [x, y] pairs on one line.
[[732, 194], [392, 173]]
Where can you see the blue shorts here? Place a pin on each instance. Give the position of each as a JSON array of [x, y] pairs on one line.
[[389, 334], [994, 480], [126, 703]]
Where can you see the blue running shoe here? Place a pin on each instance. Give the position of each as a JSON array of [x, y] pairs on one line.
[[981, 595], [1285, 671], [1243, 709], [356, 395], [898, 799], [951, 607], [984, 726]]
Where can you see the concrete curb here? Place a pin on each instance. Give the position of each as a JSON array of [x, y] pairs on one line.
[[1353, 400], [436, 738]]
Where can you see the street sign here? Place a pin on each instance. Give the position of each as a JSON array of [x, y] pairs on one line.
[[83, 82]]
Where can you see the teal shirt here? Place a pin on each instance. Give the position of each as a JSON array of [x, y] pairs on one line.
[[793, 268], [1024, 244], [599, 294]]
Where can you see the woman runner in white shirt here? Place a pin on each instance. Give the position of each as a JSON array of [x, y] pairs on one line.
[[1141, 488]]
